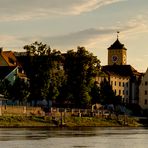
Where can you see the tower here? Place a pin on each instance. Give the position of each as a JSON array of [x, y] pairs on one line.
[[117, 53]]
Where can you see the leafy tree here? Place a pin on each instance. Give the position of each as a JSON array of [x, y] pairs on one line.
[[80, 69], [44, 71], [95, 94], [37, 49], [5, 88], [107, 94], [20, 91]]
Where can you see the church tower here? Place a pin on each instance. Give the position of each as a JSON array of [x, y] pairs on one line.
[[117, 53]]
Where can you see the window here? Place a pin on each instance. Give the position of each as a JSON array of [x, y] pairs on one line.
[[119, 83], [123, 92], [145, 101], [127, 92], [127, 84], [115, 83], [123, 84], [115, 92], [119, 92], [145, 92], [146, 83]]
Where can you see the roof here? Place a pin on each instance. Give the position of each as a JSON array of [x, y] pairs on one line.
[[9, 57], [122, 70], [117, 45]]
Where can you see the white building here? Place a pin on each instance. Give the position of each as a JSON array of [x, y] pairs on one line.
[[120, 86], [143, 91]]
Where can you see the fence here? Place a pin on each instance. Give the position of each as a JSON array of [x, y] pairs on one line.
[[79, 112], [55, 112], [20, 110]]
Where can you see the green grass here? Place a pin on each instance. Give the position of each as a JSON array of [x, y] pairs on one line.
[[40, 121], [24, 121]]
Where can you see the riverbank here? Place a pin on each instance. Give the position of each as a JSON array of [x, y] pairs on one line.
[[25, 121], [47, 121]]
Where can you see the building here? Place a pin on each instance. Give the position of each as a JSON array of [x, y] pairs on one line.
[[7, 58], [124, 78], [120, 85], [10, 68], [143, 92], [125, 81]]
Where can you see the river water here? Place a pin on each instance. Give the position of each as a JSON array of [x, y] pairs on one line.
[[74, 138]]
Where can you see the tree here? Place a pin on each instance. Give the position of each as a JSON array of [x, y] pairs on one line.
[[20, 91], [80, 68], [43, 71], [95, 94], [5, 88], [37, 49], [107, 94], [16, 91]]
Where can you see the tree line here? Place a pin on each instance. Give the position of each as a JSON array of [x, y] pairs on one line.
[[68, 80]]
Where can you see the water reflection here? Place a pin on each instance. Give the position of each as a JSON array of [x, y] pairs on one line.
[[35, 134], [75, 138], [22, 134]]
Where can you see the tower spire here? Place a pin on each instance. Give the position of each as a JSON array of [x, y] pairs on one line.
[[118, 34]]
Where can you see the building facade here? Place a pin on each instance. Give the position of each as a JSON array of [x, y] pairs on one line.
[[124, 78], [120, 86], [143, 91]]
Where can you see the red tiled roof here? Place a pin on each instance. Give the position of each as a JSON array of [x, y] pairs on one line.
[[9, 58]]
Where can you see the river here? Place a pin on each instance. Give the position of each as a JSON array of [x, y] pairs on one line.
[[74, 138]]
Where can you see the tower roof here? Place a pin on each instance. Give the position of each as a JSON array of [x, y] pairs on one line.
[[117, 45]]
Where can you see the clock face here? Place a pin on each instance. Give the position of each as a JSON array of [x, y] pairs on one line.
[[114, 58]]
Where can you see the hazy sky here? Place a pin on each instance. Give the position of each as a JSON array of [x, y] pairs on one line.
[[66, 24]]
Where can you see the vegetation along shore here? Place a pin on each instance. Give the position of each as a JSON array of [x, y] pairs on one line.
[[48, 121]]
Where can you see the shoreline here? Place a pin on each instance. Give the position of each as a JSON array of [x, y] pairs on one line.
[[69, 122]]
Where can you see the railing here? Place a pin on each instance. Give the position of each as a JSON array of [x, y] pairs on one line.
[[55, 112], [79, 112]]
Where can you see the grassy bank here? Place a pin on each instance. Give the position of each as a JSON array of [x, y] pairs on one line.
[[100, 122], [38, 121], [25, 121]]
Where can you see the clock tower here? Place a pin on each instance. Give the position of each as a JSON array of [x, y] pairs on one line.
[[117, 53]]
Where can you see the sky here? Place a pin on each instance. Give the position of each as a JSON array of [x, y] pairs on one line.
[[66, 24]]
